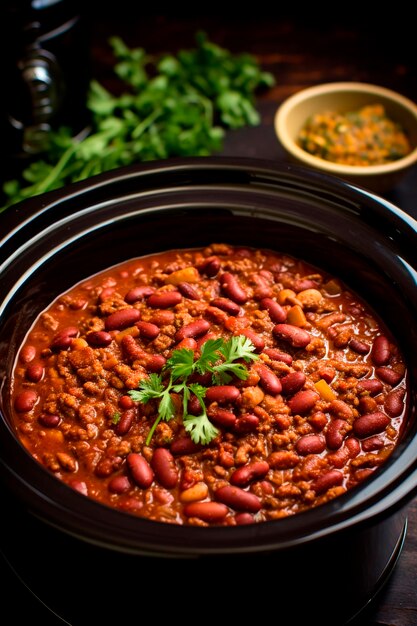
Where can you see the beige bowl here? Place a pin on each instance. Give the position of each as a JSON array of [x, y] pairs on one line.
[[343, 97]]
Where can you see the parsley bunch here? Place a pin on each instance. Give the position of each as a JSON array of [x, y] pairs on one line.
[[219, 357], [176, 105]]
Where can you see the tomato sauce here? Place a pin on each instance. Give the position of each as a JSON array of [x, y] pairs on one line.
[[318, 409]]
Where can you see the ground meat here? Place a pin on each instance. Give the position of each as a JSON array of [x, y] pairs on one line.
[[105, 402]]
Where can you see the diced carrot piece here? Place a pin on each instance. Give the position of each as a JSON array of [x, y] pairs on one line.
[[296, 316], [325, 391]]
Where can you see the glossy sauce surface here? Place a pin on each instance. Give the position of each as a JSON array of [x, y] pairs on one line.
[[318, 411]]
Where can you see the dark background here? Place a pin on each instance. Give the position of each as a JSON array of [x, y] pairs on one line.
[[301, 47]]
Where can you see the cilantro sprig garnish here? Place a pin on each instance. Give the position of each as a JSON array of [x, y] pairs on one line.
[[222, 358]]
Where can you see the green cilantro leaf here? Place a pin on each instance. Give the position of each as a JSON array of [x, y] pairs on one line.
[[209, 354], [200, 428], [237, 347], [149, 388], [181, 363], [217, 356]]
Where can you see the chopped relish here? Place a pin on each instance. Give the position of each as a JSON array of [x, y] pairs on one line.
[[363, 137]]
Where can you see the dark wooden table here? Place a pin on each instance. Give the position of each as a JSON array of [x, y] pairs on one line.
[[300, 51]]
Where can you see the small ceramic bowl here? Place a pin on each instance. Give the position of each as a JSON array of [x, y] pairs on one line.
[[344, 97]]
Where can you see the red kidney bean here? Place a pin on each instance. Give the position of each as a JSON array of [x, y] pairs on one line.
[[394, 402], [148, 330], [277, 355], [256, 339], [188, 291], [245, 474], [125, 422], [303, 401], [327, 373], [301, 284], [138, 293], [336, 433], [164, 299], [227, 305], [219, 316], [163, 465], [292, 382], [193, 329], [63, 338], [34, 372], [310, 444], [295, 336], [155, 363], [246, 424], [222, 417], [209, 266], [131, 348], [367, 405], [238, 499], [80, 486], [266, 487], [188, 343], [49, 421], [163, 318], [98, 339], [318, 420], [206, 511], [277, 313], [130, 505], [119, 484], [388, 375], [380, 351], [126, 402], [341, 409], [202, 379], [244, 518], [204, 338], [358, 346], [25, 401], [338, 458], [222, 394], [268, 380], [140, 470], [27, 354], [326, 481], [106, 293], [232, 288], [184, 445], [371, 385], [370, 424], [372, 443], [194, 406], [353, 446], [122, 319]]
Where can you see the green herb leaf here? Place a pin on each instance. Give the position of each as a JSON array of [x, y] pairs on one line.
[[149, 388], [200, 428], [217, 356], [181, 363], [237, 347]]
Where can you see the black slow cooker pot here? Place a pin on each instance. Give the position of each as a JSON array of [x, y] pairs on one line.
[[92, 564]]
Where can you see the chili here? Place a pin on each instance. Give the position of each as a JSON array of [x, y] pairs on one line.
[[320, 408]]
